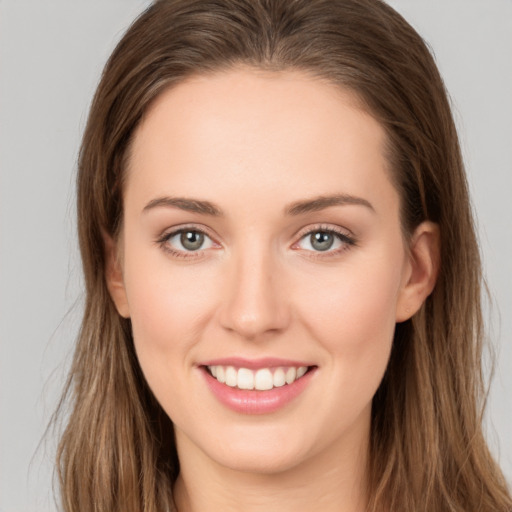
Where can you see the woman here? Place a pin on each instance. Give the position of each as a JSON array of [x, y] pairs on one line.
[[283, 281]]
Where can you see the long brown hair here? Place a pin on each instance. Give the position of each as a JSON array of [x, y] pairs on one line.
[[428, 452]]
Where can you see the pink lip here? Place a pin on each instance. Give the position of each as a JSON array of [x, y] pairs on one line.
[[252, 401], [254, 364]]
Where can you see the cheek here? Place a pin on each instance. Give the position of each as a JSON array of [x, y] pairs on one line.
[[165, 299], [352, 314], [357, 311], [168, 310]]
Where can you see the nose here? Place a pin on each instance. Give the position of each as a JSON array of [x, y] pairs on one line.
[[255, 302]]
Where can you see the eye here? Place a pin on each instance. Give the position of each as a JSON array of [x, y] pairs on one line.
[[325, 240], [187, 240]]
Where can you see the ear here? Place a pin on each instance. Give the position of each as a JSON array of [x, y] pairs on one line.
[[421, 270], [114, 276]]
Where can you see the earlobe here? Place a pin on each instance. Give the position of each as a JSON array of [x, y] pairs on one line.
[[422, 270], [114, 276]]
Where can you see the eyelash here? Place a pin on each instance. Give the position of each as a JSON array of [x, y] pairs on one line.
[[165, 237], [347, 241]]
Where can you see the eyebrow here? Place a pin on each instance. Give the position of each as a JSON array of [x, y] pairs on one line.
[[189, 205], [297, 208], [321, 202]]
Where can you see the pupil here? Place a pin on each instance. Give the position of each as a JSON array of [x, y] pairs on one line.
[[322, 241], [192, 240]]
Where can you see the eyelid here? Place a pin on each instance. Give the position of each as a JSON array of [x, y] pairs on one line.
[[331, 228], [345, 236], [172, 230], [169, 233]]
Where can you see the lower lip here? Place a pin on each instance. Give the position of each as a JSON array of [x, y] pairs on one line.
[[257, 402]]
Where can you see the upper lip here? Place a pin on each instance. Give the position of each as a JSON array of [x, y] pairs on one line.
[[254, 364]]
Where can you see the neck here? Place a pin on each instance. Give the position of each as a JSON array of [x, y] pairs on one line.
[[333, 480]]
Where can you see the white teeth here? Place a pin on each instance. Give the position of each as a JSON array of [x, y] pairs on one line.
[[231, 376], [291, 375], [301, 371], [245, 379], [261, 380], [221, 373], [279, 378]]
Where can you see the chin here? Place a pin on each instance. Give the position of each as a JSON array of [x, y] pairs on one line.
[[260, 460], [257, 448]]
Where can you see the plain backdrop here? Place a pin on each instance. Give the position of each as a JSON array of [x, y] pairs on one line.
[[51, 56]]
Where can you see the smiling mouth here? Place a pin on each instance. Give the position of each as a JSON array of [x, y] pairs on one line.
[[263, 379]]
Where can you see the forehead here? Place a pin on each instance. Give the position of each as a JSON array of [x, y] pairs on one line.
[[252, 130]]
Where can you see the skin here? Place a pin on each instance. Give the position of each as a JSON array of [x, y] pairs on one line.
[[254, 143]]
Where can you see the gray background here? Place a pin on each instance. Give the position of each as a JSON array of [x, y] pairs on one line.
[[51, 55]]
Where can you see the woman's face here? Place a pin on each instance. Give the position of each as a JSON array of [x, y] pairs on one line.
[[261, 239]]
